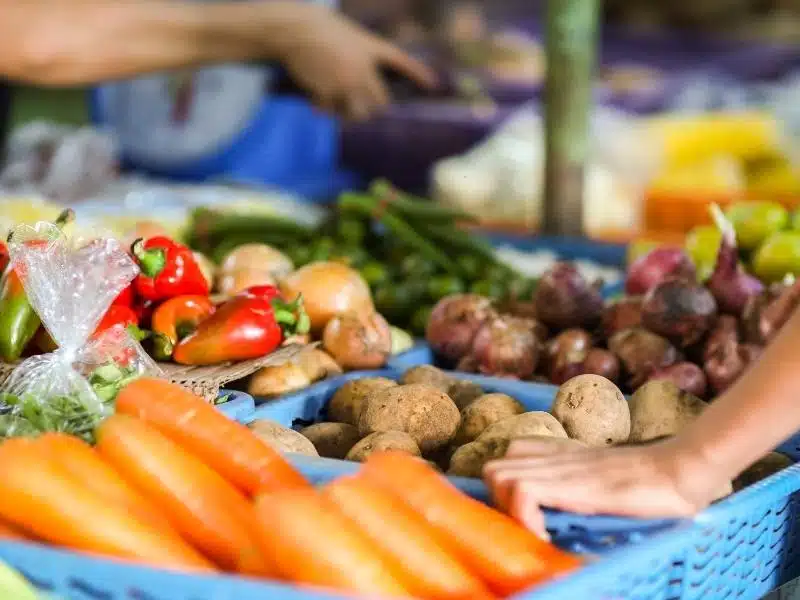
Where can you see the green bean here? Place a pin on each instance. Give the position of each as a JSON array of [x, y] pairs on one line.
[[462, 241], [417, 209]]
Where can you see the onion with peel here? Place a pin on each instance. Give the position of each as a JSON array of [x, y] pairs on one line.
[[453, 323], [654, 267], [681, 310], [328, 289], [506, 346], [563, 298], [731, 286], [358, 340]]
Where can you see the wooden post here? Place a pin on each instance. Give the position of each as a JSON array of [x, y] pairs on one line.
[[571, 40]]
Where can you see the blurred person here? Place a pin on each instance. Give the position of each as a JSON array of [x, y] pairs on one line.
[[59, 43], [677, 477]]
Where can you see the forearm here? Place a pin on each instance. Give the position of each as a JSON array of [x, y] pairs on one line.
[[757, 413], [53, 42]]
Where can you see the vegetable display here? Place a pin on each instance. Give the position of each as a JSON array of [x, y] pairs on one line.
[[409, 252], [173, 483], [675, 323]]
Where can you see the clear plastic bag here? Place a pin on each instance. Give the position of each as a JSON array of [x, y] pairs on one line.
[[71, 284], [59, 162]]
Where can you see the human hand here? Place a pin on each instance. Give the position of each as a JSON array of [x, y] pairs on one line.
[[653, 481], [339, 62]]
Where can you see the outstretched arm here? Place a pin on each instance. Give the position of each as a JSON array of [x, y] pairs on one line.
[[51, 42], [677, 477], [58, 42]]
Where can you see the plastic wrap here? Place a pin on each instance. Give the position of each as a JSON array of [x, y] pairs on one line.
[[71, 283], [59, 162]]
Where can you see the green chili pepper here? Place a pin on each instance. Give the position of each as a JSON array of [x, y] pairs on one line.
[[18, 320], [416, 209]]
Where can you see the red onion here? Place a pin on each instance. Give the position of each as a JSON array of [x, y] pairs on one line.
[[506, 346], [622, 314], [680, 309], [563, 298], [642, 352], [766, 313], [453, 323], [728, 363], [651, 269], [730, 285], [595, 361], [725, 330], [687, 376]]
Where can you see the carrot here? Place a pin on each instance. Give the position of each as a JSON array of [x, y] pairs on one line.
[[494, 546], [86, 465], [228, 447], [403, 536], [207, 510], [40, 496], [314, 544], [12, 532]]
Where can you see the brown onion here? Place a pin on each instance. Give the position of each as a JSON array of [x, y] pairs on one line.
[[358, 341], [568, 346], [595, 361], [328, 289]]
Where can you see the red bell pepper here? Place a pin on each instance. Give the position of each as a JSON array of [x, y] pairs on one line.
[[168, 269], [175, 319], [116, 315], [5, 257], [268, 292], [125, 298], [247, 326]]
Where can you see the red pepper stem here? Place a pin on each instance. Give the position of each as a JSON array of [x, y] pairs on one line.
[[291, 315], [151, 260]]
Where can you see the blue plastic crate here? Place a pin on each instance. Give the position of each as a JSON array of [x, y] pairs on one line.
[[308, 406], [236, 405]]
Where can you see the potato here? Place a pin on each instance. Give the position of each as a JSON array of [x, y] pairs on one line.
[[427, 414], [383, 440], [346, 404], [464, 392], [282, 438], [761, 469], [593, 410], [660, 408], [270, 382], [428, 374], [318, 364], [469, 459], [527, 424], [332, 440], [485, 411]]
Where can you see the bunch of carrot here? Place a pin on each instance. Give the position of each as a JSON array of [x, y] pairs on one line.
[[175, 484]]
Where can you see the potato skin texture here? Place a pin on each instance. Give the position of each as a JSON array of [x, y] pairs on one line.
[[483, 412], [424, 412], [332, 440], [593, 410], [347, 403], [282, 438], [380, 441], [660, 408]]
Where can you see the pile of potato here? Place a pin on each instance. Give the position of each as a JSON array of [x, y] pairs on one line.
[[455, 425]]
